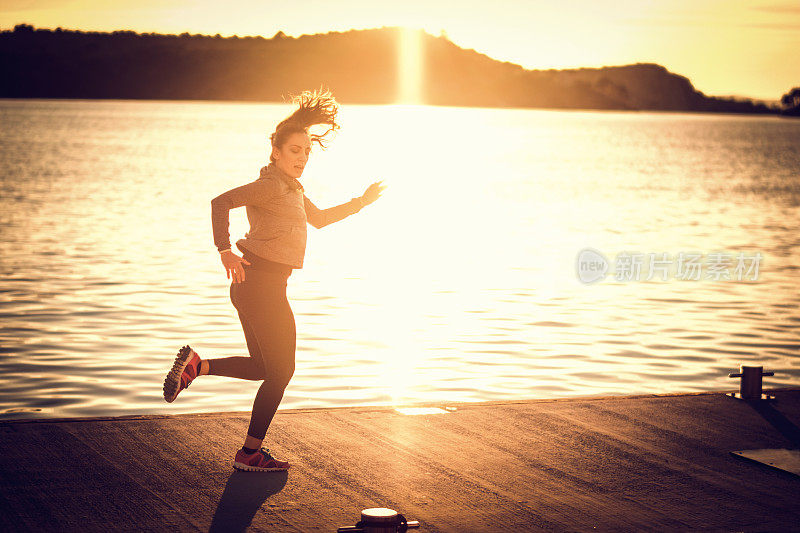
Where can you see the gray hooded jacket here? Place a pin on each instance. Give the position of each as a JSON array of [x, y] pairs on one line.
[[278, 212]]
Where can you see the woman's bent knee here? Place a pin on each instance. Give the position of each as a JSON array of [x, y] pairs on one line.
[[289, 375], [286, 378], [279, 378]]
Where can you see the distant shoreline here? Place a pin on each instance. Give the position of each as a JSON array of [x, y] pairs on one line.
[[359, 66], [350, 104]]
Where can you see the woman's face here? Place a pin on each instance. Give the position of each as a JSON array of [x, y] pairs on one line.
[[293, 156]]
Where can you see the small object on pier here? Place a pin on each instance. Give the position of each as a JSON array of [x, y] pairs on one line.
[[380, 520], [750, 388], [787, 460]]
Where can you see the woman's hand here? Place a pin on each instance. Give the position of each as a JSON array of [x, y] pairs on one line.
[[233, 265], [372, 193]]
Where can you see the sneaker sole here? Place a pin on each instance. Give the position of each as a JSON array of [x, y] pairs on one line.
[[241, 466], [173, 380]]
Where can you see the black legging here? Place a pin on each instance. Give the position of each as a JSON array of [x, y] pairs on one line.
[[269, 330]]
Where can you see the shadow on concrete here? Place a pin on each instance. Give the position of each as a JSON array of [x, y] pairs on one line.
[[777, 419], [244, 494]]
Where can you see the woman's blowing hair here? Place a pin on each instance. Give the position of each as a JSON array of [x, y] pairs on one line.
[[315, 107]]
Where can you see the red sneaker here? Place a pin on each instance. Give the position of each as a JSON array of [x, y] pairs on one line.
[[184, 371], [259, 461]]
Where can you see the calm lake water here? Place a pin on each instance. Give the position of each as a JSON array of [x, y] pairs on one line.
[[458, 284]]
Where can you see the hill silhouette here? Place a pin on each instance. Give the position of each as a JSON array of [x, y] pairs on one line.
[[360, 66]]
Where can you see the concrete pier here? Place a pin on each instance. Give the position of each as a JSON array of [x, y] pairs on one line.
[[636, 463]]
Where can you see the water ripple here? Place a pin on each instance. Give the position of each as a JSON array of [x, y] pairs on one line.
[[107, 271]]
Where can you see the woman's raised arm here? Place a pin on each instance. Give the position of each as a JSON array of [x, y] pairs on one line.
[[319, 218]]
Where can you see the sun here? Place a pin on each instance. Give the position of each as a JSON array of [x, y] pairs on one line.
[[410, 66]]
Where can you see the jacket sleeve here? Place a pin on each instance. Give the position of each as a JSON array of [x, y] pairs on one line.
[[319, 218], [259, 193]]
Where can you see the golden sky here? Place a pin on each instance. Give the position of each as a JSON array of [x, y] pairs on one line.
[[725, 47]]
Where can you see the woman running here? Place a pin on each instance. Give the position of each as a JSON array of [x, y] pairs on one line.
[[278, 211]]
